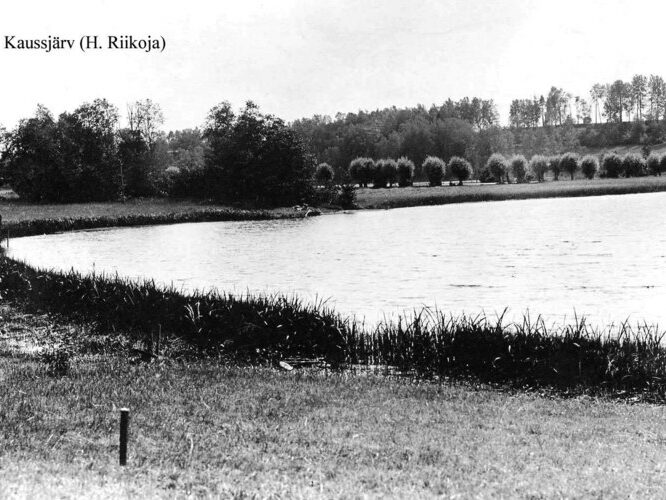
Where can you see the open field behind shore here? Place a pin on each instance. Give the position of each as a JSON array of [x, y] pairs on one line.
[[415, 196], [15, 212], [204, 429]]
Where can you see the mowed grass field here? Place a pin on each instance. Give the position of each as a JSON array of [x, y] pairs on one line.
[[13, 210], [206, 430], [415, 196]]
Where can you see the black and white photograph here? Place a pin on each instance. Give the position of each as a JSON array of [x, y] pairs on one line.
[[306, 249]]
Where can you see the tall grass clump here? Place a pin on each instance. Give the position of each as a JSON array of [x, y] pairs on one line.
[[405, 171], [527, 353], [539, 167], [612, 165], [249, 327], [569, 163], [653, 164], [589, 166], [518, 165], [434, 169], [573, 358], [633, 165], [460, 169], [497, 167], [554, 166]]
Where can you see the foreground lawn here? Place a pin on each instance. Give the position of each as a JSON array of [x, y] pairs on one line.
[[415, 196], [200, 428]]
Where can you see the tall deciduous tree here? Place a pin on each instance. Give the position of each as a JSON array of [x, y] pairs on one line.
[[656, 90], [639, 92], [253, 157], [145, 117]]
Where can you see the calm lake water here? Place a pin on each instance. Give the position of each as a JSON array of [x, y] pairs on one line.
[[604, 257]]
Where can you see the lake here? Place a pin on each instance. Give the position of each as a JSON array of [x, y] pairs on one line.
[[604, 257]]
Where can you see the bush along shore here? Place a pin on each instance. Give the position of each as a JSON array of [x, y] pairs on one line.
[[56, 225], [577, 358]]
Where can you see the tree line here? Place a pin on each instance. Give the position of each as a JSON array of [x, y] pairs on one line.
[[244, 157], [252, 157], [643, 98]]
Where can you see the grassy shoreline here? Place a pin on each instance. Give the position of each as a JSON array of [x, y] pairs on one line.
[[27, 219], [198, 429], [422, 196], [568, 359]]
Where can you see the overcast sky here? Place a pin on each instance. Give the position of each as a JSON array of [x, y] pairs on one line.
[[297, 58]]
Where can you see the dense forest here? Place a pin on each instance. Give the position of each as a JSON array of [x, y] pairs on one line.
[[618, 113]]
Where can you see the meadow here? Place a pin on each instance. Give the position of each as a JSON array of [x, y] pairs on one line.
[[24, 218], [475, 192], [208, 430]]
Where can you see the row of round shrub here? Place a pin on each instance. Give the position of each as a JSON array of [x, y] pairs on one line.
[[499, 169], [386, 171]]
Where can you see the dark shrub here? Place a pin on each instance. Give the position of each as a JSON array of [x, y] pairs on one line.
[[519, 167], [390, 171], [405, 171], [662, 164], [324, 173], [589, 166], [434, 169], [554, 167], [653, 163], [346, 196], [633, 165], [361, 170], [612, 165], [138, 175], [460, 169], [539, 167], [486, 176], [569, 163], [368, 170], [379, 174], [496, 165], [182, 183], [255, 158]]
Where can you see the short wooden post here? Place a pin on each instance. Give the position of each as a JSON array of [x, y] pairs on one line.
[[124, 425]]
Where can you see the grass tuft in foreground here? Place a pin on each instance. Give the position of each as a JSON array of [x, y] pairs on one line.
[[576, 357]]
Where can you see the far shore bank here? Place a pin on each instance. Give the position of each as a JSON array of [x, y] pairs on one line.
[[474, 192], [27, 219]]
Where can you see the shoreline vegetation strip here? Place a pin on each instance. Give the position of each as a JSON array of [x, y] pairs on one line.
[[570, 359], [366, 199], [32, 227]]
